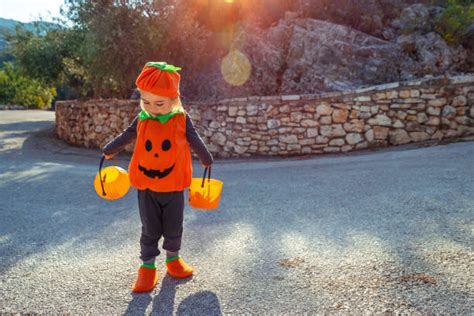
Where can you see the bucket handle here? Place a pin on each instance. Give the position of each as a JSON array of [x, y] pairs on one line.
[[204, 176], [100, 175]]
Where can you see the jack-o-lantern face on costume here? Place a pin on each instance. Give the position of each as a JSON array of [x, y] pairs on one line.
[[157, 151], [161, 159]]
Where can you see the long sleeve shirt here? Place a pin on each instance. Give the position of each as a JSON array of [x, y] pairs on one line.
[[130, 133]]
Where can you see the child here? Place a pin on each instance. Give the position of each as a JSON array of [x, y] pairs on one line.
[[160, 168]]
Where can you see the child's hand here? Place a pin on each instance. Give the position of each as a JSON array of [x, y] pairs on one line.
[[107, 157]]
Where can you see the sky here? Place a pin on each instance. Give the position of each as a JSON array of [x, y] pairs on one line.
[[29, 10]]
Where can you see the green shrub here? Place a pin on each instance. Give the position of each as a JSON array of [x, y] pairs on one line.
[[452, 24], [16, 88]]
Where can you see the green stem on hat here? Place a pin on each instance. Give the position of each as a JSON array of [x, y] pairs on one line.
[[163, 65]]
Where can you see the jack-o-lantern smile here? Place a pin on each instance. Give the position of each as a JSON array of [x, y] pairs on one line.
[[152, 173]]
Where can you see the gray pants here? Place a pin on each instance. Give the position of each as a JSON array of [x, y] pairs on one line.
[[161, 214]]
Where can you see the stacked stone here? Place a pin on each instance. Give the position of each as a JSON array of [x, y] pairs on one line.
[[93, 123], [378, 116]]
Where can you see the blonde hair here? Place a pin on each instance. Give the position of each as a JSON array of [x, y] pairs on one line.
[[176, 101], [177, 105]]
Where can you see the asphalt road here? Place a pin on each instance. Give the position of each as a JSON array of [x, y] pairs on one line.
[[374, 231]]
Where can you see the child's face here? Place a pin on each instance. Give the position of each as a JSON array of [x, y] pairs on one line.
[[155, 104]]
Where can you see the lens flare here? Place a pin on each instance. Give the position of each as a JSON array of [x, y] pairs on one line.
[[235, 68]]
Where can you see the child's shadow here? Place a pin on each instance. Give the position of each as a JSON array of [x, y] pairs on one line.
[[163, 303], [201, 303]]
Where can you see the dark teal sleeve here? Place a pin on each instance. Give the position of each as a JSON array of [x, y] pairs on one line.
[[123, 139], [196, 143]]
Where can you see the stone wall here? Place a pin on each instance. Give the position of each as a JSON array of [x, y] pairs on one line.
[[377, 116]]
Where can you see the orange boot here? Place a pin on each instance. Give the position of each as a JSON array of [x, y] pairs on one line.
[[177, 268], [146, 279]]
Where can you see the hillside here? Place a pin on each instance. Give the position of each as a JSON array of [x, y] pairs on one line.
[[304, 54], [7, 26]]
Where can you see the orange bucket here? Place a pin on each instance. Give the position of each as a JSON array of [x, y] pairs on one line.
[[112, 182], [205, 194]]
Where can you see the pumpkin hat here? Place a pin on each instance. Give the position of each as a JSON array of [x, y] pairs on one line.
[[159, 78]]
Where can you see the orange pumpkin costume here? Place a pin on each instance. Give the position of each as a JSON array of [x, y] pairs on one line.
[[161, 159], [160, 170]]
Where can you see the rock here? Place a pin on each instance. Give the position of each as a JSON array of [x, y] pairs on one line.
[[241, 120], [419, 136], [332, 130], [336, 142], [312, 132], [428, 54], [330, 48], [331, 149], [353, 138], [324, 120], [392, 94], [380, 132], [398, 124], [296, 116], [433, 120], [388, 34], [379, 96], [459, 100], [311, 108], [398, 137], [421, 117], [252, 110], [321, 139], [214, 124], [340, 116], [464, 120], [346, 148], [415, 17], [413, 126], [404, 94], [354, 126], [437, 102], [309, 123], [433, 111], [209, 115], [448, 112], [218, 138], [374, 109], [272, 123], [289, 139], [232, 110], [285, 108], [437, 135], [369, 135], [362, 98], [240, 149], [324, 109], [380, 119], [415, 93]]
